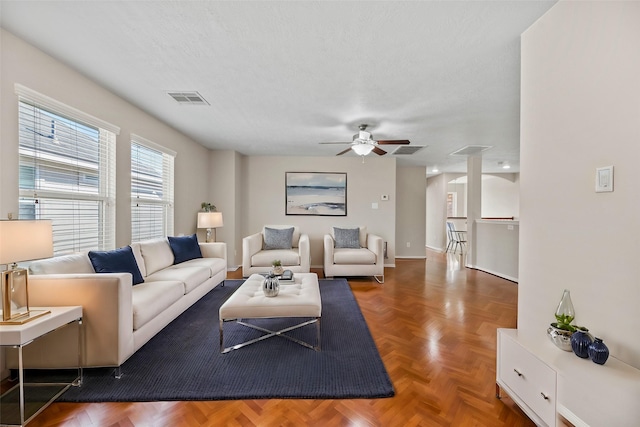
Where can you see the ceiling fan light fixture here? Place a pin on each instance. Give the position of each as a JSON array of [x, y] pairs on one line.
[[362, 149]]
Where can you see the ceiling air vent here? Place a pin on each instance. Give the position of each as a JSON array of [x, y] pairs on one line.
[[471, 150], [188, 98], [407, 149]]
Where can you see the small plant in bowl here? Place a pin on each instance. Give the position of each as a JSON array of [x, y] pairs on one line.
[[277, 266]]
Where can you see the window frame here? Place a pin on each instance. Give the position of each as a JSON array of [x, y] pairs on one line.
[[59, 193]]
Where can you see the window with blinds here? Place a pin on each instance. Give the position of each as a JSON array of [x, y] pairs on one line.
[[67, 172], [151, 190]]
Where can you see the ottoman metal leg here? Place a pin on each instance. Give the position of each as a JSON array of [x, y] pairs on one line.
[[270, 333]]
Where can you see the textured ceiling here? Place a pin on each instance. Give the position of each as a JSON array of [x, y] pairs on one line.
[[280, 77]]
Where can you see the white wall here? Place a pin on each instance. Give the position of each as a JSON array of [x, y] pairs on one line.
[[501, 195], [581, 110], [263, 197], [24, 64], [497, 248]]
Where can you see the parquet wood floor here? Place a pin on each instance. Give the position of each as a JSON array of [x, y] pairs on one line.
[[435, 326]]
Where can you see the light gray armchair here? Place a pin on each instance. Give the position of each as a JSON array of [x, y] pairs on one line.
[[360, 255], [281, 242]]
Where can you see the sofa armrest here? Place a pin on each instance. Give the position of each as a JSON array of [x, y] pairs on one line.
[[374, 244], [107, 311], [251, 245], [304, 251], [214, 250], [329, 245]]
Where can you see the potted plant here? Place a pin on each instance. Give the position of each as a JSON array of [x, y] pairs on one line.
[[277, 267], [208, 207]]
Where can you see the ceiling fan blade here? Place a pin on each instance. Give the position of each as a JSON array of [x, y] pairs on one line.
[[395, 141], [335, 143], [379, 151], [343, 152]]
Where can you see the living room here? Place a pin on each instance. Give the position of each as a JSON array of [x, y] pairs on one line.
[[579, 101]]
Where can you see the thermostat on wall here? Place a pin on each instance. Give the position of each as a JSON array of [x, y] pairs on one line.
[[604, 179]]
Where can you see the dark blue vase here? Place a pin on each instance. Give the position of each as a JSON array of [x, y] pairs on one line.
[[598, 351], [580, 342]]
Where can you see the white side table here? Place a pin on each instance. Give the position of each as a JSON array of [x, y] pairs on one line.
[[24, 401]]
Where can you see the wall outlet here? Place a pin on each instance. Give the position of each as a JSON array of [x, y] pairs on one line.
[[374, 205], [408, 244], [509, 227]]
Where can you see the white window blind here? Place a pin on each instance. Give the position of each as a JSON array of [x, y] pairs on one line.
[[67, 172], [151, 190]]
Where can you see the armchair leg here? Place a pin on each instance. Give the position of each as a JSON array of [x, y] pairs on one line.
[[379, 278]]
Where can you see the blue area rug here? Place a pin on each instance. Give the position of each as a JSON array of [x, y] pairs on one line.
[[183, 362]]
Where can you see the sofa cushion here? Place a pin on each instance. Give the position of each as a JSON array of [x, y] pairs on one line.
[[116, 261], [152, 298], [278, 238], [157, 255], [66, 264], [192, 277], [347, 237], [215, 265], [353, 256], [286, 256], [363, 236], [184, 248]]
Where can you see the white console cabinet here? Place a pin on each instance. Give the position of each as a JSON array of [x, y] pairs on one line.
[[545, 382]]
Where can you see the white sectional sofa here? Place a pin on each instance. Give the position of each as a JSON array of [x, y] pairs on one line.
[[118, 317]]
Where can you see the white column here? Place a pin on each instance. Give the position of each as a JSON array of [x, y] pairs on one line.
[[474, 204]]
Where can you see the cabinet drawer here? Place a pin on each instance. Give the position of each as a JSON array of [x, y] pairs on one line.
[[531, 380]]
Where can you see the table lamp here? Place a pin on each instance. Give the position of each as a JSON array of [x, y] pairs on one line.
[[21, 240], [210, 220]]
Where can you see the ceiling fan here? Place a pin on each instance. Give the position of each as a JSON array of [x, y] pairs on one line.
[[363, 143]]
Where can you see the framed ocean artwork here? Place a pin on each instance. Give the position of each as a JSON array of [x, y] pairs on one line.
[[316, 193]]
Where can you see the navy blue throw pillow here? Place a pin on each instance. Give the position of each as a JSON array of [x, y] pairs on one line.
[[184, 248], [116, 261]]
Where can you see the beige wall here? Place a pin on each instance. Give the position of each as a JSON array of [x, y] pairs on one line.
[[263, 197], [411, 212], [21, 63], [436, 238], [581, 110]]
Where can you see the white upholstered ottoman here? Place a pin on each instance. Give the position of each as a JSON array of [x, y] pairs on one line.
[[298, 299]]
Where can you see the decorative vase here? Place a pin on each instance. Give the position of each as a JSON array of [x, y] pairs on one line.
[[278, 270], [565, 312], [580, 342], [560, 337], [598, 351], [271, 286]]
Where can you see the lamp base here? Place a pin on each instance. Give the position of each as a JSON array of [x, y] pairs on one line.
[[210, 232], [27, 317]]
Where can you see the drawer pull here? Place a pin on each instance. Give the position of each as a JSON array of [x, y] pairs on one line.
[[517, 372], [544, 396]]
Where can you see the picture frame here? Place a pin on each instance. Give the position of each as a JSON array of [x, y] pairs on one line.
[[316, 193]]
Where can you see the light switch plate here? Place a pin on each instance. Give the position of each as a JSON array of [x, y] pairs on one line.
[[604, 179]]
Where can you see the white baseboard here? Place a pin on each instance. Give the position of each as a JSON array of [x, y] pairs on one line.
[[441, 250], [411, 257], [495, 273], [233, 268]]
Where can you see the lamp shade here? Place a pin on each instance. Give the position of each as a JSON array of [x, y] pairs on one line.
[[209, 219], [25, 240], [362, 149]]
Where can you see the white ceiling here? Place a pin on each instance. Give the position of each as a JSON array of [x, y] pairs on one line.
[[283, 76]]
